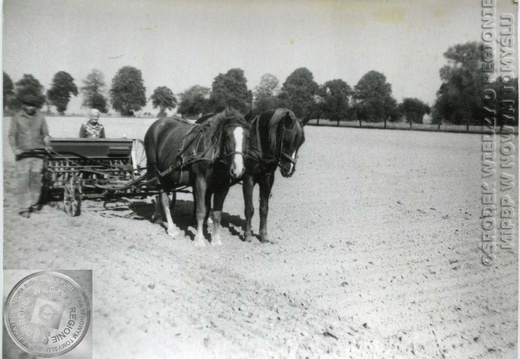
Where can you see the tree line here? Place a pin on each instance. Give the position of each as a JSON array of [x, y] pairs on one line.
[[459, 99]]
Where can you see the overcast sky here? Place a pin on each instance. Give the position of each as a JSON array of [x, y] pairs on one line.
[[183, 43]]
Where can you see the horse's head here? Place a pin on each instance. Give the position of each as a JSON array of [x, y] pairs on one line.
[[234, 142], [291, 137]]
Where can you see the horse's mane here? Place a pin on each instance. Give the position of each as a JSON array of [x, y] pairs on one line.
[[274, 123], [180, 119], [216, 124], [204, 117], [213, 126]]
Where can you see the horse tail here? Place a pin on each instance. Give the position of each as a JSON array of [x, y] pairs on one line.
[[150, 146]]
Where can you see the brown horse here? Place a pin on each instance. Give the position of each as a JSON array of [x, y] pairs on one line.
[[276, 136], [207, 157]]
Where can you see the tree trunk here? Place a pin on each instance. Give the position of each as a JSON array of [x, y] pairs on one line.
[[385, 122], [318, 121], [360, 123]]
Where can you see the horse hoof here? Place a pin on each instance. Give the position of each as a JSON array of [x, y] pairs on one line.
[[264, 240], [199, 243], [173, 233], [248, 239], [216, 242]]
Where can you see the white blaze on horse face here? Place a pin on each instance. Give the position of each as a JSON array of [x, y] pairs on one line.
[[238, 160], [293, 156]]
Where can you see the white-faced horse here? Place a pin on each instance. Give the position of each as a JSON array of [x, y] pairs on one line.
[[208, 157]]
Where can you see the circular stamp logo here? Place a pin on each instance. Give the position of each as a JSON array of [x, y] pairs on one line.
[[47, 314]]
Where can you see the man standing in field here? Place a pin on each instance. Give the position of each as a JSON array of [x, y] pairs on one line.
[[28, 131], [92, 129]]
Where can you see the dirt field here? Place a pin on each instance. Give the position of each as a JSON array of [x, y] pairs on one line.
[[375, 256]]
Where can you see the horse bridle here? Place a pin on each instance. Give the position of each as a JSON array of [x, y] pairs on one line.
[[222, 158], [281, 154]]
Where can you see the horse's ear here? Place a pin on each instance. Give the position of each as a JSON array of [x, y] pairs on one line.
[[306, 119], [249, 116], [288, 121]]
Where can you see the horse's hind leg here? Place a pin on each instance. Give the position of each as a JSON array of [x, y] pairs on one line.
[[209, 212], [165, 201], [157, 216], [199, 192], [209, 217], [218, 204], [174, 199]]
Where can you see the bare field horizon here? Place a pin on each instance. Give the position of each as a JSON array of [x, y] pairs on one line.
[[136, 127]]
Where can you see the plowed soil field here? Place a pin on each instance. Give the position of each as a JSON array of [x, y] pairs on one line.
[[375, 255]]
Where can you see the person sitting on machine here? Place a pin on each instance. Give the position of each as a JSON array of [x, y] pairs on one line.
[[92, 128]]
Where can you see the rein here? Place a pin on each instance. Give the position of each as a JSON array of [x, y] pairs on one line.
[[222, 158]]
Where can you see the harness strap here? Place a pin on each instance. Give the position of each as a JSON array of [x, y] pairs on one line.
[[256, 153]]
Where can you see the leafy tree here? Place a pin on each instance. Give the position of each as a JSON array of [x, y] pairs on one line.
[[334, 102], [98, 101], [230, 89], [163, 98], [61, 89], [413, 110], [299, 91], [194, 101], [128, 91], [8, 90], [28, 85], [373, 99], [266, 93], [459, 99], [93, 90]]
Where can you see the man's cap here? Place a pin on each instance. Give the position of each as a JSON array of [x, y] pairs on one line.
[[94, 112], [31, 100]]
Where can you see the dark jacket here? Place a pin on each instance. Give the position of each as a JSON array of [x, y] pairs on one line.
[[27, 132]]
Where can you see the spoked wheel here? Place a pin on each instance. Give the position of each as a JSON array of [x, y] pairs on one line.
[[72, 197], [138, 157]]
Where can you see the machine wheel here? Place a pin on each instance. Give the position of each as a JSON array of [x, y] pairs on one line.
[[138, 157], [72, 197]]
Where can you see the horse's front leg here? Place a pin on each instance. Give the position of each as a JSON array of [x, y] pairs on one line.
[[157, 217], [249, 210], [218, 204], [199, 193], [266, 183], [172, 230]]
